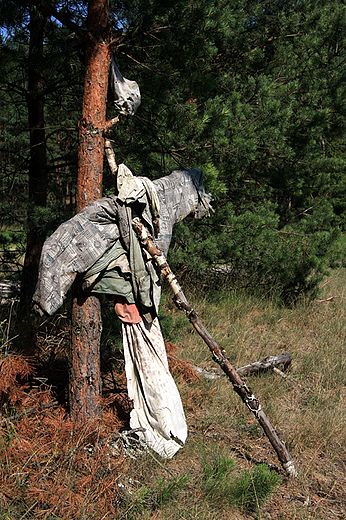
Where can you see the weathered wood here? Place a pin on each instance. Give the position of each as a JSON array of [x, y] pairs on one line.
[[330, 299], [269, 363], [266, 364], [111, 157], [239, 386]]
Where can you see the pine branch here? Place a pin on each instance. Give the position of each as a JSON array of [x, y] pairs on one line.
[[65, 20]]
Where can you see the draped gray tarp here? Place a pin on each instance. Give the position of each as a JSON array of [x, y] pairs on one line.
[[124, 93], [81, 241]]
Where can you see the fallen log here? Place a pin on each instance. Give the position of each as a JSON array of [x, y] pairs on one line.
[[218, 352], [266, 364], [270, 362]]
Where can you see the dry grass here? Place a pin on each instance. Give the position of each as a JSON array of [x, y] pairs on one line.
[[307, 410], [50, 470]]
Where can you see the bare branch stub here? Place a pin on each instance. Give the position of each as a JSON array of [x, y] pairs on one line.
[[110, 123], [111, 157]]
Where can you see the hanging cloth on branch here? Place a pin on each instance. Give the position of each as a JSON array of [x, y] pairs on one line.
[[157, 406], [124, 93]]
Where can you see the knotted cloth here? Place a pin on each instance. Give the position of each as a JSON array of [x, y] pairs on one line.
[[76, 245]]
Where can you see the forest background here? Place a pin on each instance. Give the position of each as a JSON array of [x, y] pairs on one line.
[[253, 93]]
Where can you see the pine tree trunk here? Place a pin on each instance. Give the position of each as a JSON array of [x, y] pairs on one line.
[[84, 371], [38, 182], [84, 360]]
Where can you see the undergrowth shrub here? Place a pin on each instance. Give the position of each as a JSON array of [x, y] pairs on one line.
[[254, 250], [216, 475], [248, 490], [253, 487]]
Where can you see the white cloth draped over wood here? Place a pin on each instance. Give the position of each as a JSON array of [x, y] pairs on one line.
[[157, 406]]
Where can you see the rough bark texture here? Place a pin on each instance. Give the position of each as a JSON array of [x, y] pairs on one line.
[[38, 182], [84, 383], [84, 373]]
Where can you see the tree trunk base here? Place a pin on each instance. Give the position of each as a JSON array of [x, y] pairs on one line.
[[84, 361]]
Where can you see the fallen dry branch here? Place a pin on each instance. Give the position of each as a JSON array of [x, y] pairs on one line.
[[266, 364], [270, 362], [28, 412], [331, 298], [280, 373], [28, 510]]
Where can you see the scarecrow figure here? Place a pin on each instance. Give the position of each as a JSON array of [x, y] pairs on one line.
[[100, 244]]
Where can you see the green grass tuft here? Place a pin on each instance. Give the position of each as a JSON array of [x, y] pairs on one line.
[[253, 487], [248, 490], [150, 499]]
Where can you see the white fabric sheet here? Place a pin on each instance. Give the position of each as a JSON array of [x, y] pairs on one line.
[[156, 400]]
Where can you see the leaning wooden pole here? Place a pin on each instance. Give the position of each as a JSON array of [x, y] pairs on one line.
[[218, 352]]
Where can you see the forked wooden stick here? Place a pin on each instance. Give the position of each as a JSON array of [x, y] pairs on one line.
[[219, 356]]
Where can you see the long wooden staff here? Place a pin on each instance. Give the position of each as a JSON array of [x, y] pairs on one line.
[[219, 356]]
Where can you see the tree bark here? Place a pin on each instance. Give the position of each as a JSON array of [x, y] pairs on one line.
[[84, 371], [84, 360], [38, 181]]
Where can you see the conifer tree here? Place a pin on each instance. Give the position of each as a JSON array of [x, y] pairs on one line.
[[84, 373], [38, 178], [253, 93], [86, 331], [36, 175]]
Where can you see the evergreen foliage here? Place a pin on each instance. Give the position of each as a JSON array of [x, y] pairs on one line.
[[252, 93], [248, 490], [62, 90]]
